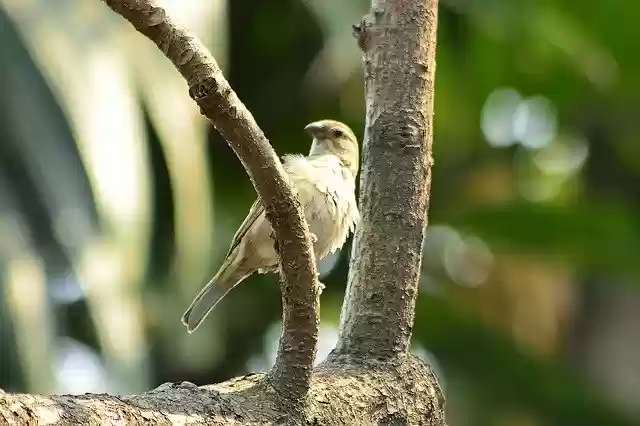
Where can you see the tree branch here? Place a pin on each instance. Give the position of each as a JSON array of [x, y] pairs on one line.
[[406, 395], [219, 103], [398, 38], [399, 42]]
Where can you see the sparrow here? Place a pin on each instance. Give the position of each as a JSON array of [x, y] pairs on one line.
[[325, 181]]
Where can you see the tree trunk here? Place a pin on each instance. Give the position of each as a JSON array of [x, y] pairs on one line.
[[399, 43]]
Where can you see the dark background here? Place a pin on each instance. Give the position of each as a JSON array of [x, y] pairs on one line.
[[117, 201]]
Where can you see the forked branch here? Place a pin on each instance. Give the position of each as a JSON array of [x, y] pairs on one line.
[[291, 373]]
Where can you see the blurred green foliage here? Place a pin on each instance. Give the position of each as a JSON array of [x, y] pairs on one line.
[[535, 199]]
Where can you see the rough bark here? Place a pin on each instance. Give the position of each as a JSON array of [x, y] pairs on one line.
[[339, 395], [218, 102], [370, 378], [398, 39]]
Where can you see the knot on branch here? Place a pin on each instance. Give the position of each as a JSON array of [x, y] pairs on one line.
[[201, 89], [360, 33], [153, 17], [212, 96], [362, 30], [185, 56]]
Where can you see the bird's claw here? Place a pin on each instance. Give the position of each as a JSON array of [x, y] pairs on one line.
[[321, 287], [314, 237]]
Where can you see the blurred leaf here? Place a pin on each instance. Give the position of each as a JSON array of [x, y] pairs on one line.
[[600, 237], [38, 154], [500, 370], [100, 102], [42, 188], [340, 56]]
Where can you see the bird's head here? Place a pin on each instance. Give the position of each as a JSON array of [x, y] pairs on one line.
[[334, 137]]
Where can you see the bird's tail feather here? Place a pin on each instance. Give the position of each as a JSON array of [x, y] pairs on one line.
[[209, 296]]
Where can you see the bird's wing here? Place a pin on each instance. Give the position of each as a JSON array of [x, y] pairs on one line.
[[256, 210], [296, 167]]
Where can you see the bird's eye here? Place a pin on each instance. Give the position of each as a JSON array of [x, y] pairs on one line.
[[337, 133]]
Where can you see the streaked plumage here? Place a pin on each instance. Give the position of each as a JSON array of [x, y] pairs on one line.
[[325, 181]]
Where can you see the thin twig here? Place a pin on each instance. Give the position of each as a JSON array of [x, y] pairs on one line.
[[291, 373]]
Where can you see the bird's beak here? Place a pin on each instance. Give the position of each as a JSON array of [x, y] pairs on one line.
[[313, 128]]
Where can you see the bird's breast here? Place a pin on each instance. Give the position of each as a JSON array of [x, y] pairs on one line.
[[327, 195]]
